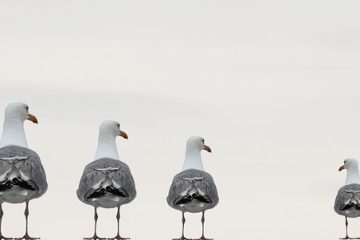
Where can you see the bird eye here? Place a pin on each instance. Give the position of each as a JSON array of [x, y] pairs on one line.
[[27, 108], [118, 125], [203, 140]]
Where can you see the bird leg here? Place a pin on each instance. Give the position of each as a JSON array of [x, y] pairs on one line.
[[95, 237], [117, 237], [26, 236], [203, 223], [346, 229], [347, 236], [182, 232], [1, 216]]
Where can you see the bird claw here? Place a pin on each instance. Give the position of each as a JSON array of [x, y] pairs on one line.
[[27, 237], [118, 238], [201, 238], [349, 238], [5, 238], [95, 237], [204, 238]]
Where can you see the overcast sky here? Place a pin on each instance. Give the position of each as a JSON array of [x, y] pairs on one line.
[[272, 86]]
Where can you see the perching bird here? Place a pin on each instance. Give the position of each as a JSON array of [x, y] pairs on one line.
[[347, 202], [22, 176], [107, 182], [193, 190]]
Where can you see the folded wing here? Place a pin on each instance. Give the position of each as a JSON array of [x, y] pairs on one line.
[[192, 185], [105, 176], [22, 167], [347, 202]]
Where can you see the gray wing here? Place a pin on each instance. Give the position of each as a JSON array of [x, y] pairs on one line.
[[27, 162], [347, 200], [187, 179], [93, 175]]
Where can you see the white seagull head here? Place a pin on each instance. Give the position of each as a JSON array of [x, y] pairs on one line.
[[18, 111], [197, 143], [194, 145], [111, 129], [13, 131], [349, 164], [108, 131]]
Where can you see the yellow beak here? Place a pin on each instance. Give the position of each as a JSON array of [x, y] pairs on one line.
[[123, 134], [32, 118], [207, 148]]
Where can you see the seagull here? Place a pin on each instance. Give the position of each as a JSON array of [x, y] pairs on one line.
[[22, 176], [107, 182], [347, 202], [193, 190]]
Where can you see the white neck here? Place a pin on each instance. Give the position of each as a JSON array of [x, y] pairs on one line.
[[13, 133], [193, 159], [106, 147], [352, 176]]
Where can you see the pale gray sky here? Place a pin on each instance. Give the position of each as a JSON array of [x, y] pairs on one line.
[[273, 87]]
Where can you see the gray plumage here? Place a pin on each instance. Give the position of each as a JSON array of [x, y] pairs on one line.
[[193, 191], [103, 173], [347, 202], [24, 165]]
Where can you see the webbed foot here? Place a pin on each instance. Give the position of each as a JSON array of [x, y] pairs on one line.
[[117, 237], [5, 238], [27, 237], [350, 238], [95, 237], [204, 238]]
